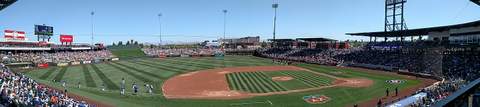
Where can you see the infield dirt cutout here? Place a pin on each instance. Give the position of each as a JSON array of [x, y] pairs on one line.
[[212, 83]]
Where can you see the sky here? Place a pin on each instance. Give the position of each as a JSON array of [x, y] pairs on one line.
[[198, 20]]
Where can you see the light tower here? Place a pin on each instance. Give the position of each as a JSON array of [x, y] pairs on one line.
[[160, 29], [394, 20], [274, 6], [92, 13], [224, 23]]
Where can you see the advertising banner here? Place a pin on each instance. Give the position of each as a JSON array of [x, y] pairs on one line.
[[87, 62], [44, 65], [62, 64], [115, 59], [66, 38], [75, 63]]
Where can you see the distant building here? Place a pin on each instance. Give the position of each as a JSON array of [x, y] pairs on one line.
[[244, 42]]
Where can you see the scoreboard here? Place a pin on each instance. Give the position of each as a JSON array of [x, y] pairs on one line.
[[43, 30]]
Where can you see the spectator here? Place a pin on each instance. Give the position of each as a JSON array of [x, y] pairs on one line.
[[19, 90]]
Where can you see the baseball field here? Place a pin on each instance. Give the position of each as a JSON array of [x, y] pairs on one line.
[[228, 81]]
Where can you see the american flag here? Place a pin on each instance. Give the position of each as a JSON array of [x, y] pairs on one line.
[[20, 35], [9, 34]]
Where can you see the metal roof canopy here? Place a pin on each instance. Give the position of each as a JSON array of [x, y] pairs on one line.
[[5, 3], [476, 2], [316, 39], [281, 40], [416, 32]]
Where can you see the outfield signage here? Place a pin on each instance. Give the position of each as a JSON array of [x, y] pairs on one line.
[[81, 48], [43, 30], [62, 64], [44, 65], [66, 38], [87, 62], [25, 48], [75, 63], [115, 59]]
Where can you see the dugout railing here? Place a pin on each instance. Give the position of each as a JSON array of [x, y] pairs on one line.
[[467, 96]]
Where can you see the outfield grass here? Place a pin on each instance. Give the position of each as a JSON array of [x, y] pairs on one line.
[[127, 51], [154, 71]]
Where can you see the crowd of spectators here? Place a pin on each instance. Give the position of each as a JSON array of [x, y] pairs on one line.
[[456, 68], [180, 52], [317, 56], [17, 90], [56, 57]]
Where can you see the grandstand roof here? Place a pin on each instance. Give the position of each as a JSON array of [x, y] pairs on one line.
[[6, 3], [281, 40], [316, 39], [476, 1], [416, 32]]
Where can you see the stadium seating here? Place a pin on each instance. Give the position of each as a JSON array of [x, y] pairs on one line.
[[456, 67]]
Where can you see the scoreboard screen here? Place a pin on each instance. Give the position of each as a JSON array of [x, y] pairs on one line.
[[43, 30]]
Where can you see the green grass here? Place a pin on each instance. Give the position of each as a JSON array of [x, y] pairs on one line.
[[155, 71], [127, 52], [88, 77], [302, 79], [60, 75], [252, 82], [48, 73], [261, 82]]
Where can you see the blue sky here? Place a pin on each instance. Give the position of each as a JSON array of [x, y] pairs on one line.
[[196, 20]]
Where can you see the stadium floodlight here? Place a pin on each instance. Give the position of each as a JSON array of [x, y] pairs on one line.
[[224, 23], [92, 13], [160, 28], [274, 6]]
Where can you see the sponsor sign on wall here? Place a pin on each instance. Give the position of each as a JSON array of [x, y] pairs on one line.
[[87, 62], [62, 64], [44, 65], [75, 63]]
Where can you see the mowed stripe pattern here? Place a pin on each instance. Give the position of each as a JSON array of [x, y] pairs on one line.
[[308, 79], [254, 82], [260, 82], [141, 71]]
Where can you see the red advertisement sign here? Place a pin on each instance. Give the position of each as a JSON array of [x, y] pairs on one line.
[[66, 38], [44, 65]]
